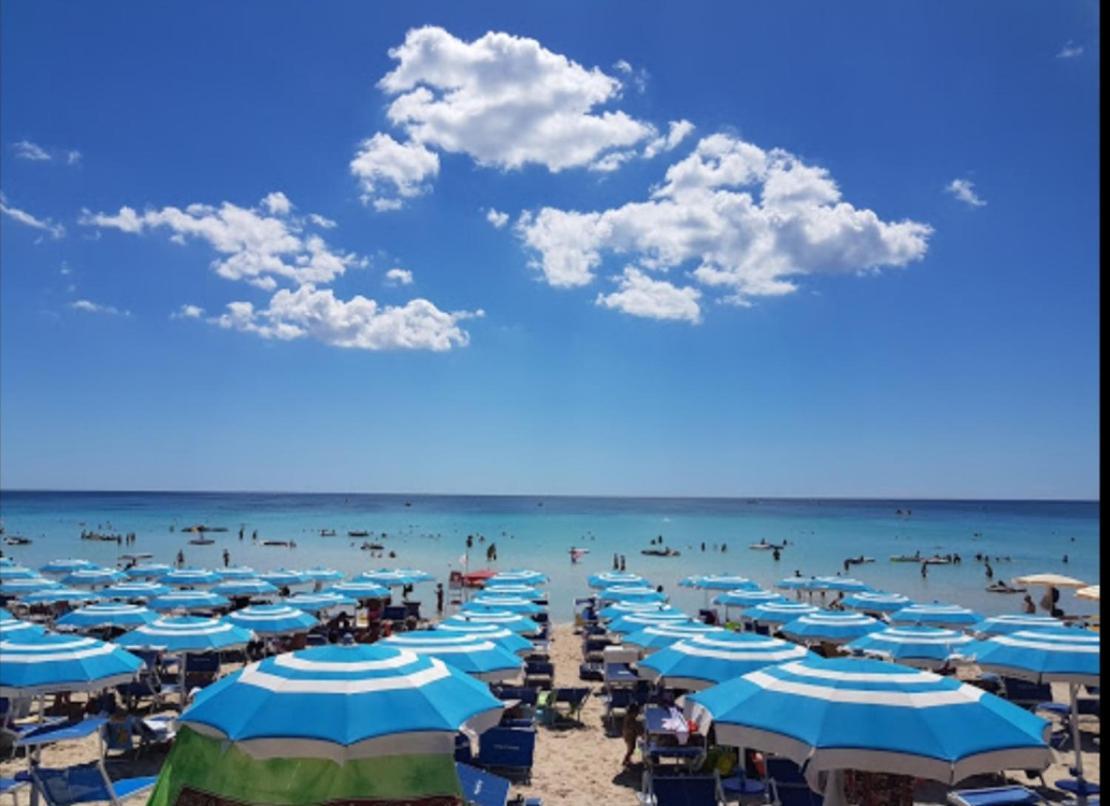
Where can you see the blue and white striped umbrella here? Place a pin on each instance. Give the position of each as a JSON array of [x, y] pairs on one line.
[[634, 622], [518, 577], [618, 609], [482, 658], [6, 562], [148, 571], [360, 590], [245, 587], [720, 582], [506, 638], [654, 637], [135, 590], [59, 595], [521, 591], [283, 577], [1006, 624], [510, 621], [923, 647], [20, 587], [107, 614], [846, 584], [189, 577], [855, 713], [273, 619], [17, 572], [238, 572], [315, 602], [395, 577], [778, 612], [630, 593], [66, 566], [833, 628], [318, 574], [178, 634], [188, 600], [1067, 655], [794, 583], [608, 578], [92, 577], [9, 625], [876, 602], [48, 662], [344, 703], [935, 615], [705, 660], [510, 604], [746, 598]]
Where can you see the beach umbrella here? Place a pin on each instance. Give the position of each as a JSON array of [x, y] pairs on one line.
[[59, 595], [395, 578], [607, 578], [318, 574], [508, 589], [17, 572], [509, 604], [876, 602], [1089, 592], [634, 622], [699, 662], [359, 590], [9, 625], [630, 593], [509, 621], [653, 637], [188, 600], [846, 584], [107, 614], [245, 587], [181, 634], [283, 577], [935, 615], [480, 657], [746, 598], [618, 609], [332, 724], [48, 662], [828, 627], [238, 572], [1008, 623], [20, 587], [1050, 580], [853, 713], [315, 602], [135, 590], [93, 577], [6, 562], [277, 619], [189, 577], [66, 566], [922, 647], [506, 638], [148, 571], [794, 583], [518, 577], [720, 582], [778, 612]]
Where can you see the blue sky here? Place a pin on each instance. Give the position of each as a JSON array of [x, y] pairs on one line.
[[716, 249]]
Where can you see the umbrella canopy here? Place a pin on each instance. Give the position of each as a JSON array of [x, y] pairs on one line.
[[176, 634], [853, 713], [480, 657], [148, 571], [318, 574], [518, 577], [1089, 592], [1067, 655], [634, 622], [1008, 623], [719, 582], [283, 577], [48, 662], [607, 578], [360, 590], [1051, 580], [794, 583], [395, 577], [66, 566], [876, 602], [510, 604], [59, 595], [21, 586], [135, 590], [17, 572], [935, 615], [9, 625], [506, 638], [922, 647], [245, 587], [188, 600], [833, 628], [702, 661], [92, 577], [746, 598], [618, 609], [630, 593], [315, 602], [6, 562], [778, 612], [277, 619], [238, 572], [508, 589], [509, 621], [107, 614], [655, 637], [846, 584], [188, 577]]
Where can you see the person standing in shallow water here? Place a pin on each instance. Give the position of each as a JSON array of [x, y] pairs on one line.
[[227, 558], [439, 598]]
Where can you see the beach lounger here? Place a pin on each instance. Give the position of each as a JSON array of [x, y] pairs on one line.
[[539, 673], [786, 786], [739, 787], [1024, 693], [565, 703], [526, 695], [133, 735], [11, 787], [681, 790], [85, 783], [510, 750], [482, 788], [995, 796]]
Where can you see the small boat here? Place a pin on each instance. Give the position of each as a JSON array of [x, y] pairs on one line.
[[289, 543], [327, 533], [668, 552], [937, 561], [905, 558], [16, 540], [766, 546], [201, 541], [372, 547], [358, 533], [860, 560], [1002, 587]]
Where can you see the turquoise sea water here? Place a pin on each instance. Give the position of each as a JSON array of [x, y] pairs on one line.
[[429, 532]]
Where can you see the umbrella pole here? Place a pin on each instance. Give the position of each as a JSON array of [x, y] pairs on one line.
[[181, 678], [1073, 690], [834, 789]]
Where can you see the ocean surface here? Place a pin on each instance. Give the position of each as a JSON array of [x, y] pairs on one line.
[[429, 532]]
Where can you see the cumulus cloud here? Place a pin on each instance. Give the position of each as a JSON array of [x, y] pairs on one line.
[[677, 131], [964, 190], [744, 219], [1070, 50], [506, 101], [399, 277], [320, 221], [357, 323], [255, 245], [73, 157], [497, 218], [640, 295], [636, 77], [390, 172], [188, 312], [45, 225], [26, 150], [94, 307]]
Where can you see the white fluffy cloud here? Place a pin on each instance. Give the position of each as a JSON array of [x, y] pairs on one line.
[[677, 131], [390, 172], [744, 219], [188, 312], [399, 277], [94, 307], [45, 225], [640, 295], [357, 323], [26, 150], [964, 190], [497, 218], [1070, 50], [254, 245]]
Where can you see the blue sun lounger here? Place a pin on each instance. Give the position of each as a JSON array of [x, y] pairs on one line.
[[85, 783], [510, 750], [995, 796], [681, 790]]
